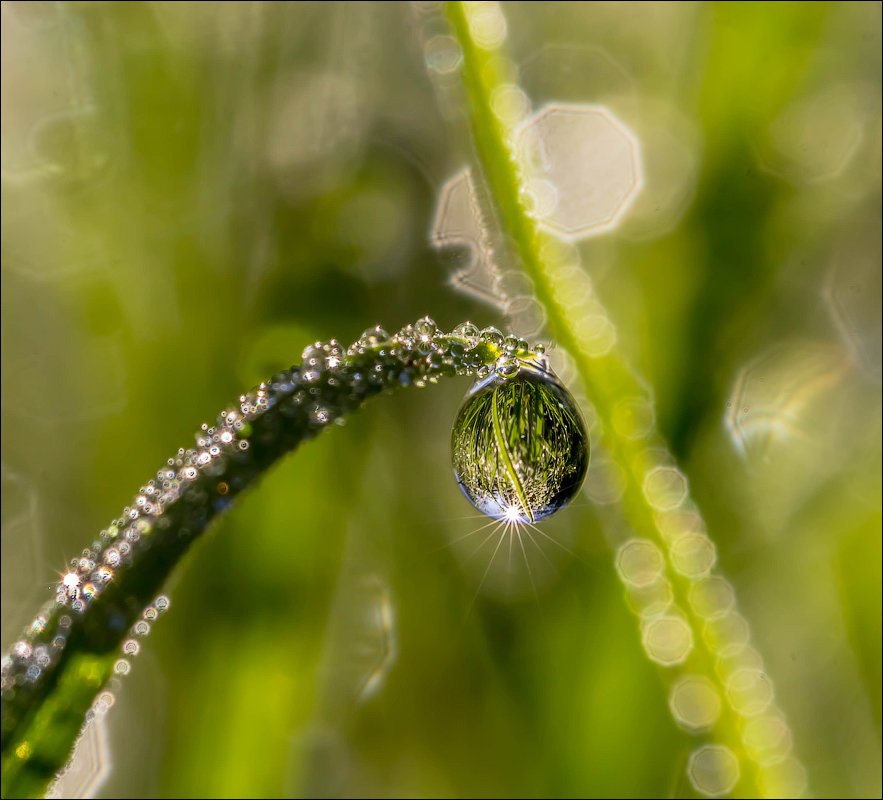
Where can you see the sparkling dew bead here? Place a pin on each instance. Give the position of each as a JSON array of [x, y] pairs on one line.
[[519, 445], [469, 334]]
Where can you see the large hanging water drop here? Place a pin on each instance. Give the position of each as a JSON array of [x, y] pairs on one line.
[[519, 445]]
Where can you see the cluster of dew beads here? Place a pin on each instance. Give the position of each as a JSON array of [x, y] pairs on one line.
[[198, 482], [519, 446], [328, 382], [132, 646]]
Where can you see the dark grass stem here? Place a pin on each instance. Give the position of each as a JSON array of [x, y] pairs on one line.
[[80, 638]]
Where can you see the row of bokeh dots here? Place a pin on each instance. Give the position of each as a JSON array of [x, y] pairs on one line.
[[695, 700], [668, 638], [90, 762]]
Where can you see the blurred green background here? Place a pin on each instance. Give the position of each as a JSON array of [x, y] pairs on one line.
[[194, 191]]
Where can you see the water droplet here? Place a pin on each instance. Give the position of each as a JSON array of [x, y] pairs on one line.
[[21, 650], [492, 335], [519, 444], [104, 701], [425, 328], [469, 333], [103, 574], [507, 366], [510, 344], [313, 357], [373, 337], [334, 354], [406, 336]]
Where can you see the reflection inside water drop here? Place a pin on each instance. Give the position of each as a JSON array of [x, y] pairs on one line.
[[519, 445]]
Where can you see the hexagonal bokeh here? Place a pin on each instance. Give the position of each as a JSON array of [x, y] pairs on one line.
[[24, 580], [667, 640], [665, 487], [713, 770], [582, 168], [639, 562], [816, 137], [695, 703], [852, 295], [458, 224]]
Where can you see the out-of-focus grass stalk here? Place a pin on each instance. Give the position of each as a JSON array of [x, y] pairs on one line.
[[655, 501]]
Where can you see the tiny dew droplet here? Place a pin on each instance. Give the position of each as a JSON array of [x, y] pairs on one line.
[[372, 337], [510, 343], [519, 445], [469, 333], [425, 328], [492, 335], [507, 366]]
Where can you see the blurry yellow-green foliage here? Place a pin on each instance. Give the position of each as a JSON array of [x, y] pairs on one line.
[[194, 191]]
